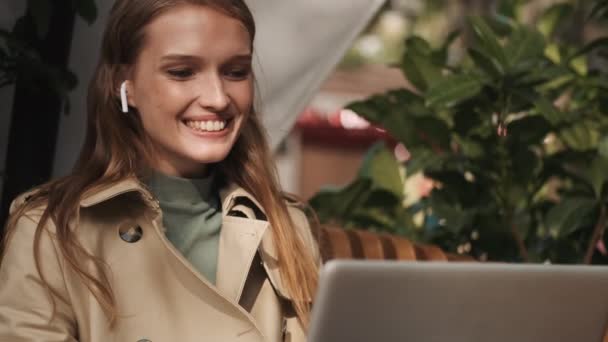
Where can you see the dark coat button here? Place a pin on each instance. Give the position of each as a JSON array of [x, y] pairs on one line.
[[130, 233]]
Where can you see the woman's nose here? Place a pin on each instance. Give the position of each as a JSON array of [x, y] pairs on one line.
[[212, 95]]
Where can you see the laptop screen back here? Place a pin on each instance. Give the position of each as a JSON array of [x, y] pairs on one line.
[[409, 301]]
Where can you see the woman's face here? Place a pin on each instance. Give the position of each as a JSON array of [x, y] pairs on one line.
[[192, 84]]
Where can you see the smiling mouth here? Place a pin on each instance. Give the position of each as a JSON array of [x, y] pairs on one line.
[[207, 125]]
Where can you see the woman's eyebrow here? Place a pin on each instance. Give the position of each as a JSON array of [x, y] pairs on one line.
[[179, 58], [242, 58], [187, 58]]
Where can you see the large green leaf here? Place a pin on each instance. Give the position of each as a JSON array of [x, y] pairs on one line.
[[510, 8], [553, 17], [423, 158], [418, 65], [500, 25], [566, 217], [378, 211], [378, 108], [453, 90], [570, 165], [404, 115], [372, 218], [374, 109], [409, 102], [597, 174], [440, 56], [470, 148], [549, 112], [485, 64], [418, 45], [488, 43], [525, 47], [602, 148], [579, 65], [393, 117], [589, 47], [580, 136], [336, 204], [507, 8], [381, 167], [599, 10]]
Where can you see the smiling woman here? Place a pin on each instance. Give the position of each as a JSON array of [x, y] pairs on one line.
[[172, 220], [186, 89]]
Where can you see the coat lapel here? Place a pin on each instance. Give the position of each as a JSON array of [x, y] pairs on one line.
[[240, 237], [239, 241]]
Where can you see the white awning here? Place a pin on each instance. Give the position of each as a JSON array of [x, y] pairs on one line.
[[298, 44]]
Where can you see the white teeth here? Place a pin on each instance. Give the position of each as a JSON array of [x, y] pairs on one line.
[[210, 126]]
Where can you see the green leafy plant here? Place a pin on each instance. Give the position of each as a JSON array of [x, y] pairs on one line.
[[514, 137]]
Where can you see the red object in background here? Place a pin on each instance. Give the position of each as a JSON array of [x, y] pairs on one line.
[[326, 129]]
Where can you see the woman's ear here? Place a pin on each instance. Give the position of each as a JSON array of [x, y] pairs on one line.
[[131, 94]]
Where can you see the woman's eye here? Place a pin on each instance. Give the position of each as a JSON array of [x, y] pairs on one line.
[[180, 73], [238, 74]]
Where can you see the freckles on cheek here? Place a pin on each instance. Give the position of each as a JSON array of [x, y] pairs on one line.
[[168, 103], [161, 99]]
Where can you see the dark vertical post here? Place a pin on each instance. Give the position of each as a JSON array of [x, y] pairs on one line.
[[35, 114]]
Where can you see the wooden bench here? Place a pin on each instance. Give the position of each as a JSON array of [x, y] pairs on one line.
[[338, 243]]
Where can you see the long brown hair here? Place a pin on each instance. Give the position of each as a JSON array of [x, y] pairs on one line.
[[115, 148]]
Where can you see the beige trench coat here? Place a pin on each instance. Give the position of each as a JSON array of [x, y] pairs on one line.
[[160, 296]]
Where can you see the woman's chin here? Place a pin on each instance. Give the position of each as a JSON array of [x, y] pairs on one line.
[[210, 157]]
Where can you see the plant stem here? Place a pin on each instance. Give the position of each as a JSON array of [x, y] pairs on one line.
[[521, 245], [523, 251], [600, 226]]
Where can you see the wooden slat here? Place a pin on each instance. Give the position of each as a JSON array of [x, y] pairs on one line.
[[388, 247], [429, 252], [372, 246], [325, 245], [339, 242], [404, 248], [459, 258]]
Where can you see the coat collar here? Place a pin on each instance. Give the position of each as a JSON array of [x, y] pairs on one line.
[[100, 194], [240, 237]]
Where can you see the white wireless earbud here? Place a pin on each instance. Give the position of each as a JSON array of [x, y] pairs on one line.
[[123, 97]]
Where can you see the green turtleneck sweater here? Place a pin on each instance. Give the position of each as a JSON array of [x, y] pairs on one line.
[[192, 218]]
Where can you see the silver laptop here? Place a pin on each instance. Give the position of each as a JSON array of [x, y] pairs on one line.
[[374, 301]]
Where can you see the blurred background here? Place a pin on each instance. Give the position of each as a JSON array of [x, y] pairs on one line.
[[328, 134], [475, 125]]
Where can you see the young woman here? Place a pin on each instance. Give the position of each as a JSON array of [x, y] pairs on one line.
[[172, 226]]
